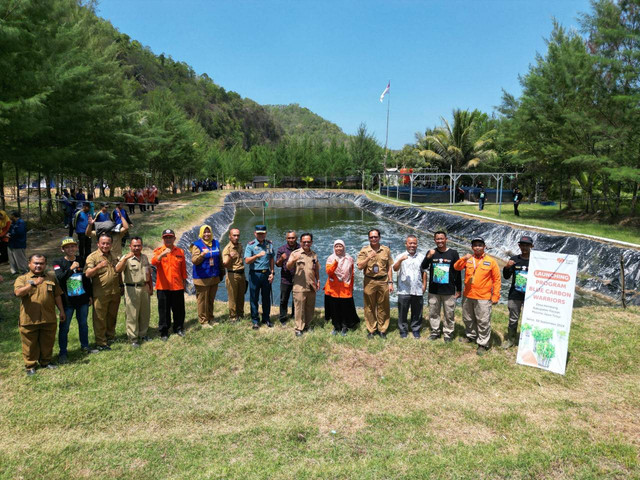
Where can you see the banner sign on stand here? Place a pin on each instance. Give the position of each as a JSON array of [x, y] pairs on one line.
[[546, 314]]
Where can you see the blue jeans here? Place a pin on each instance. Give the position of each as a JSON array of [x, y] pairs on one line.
[[82, 312], [259, 285]]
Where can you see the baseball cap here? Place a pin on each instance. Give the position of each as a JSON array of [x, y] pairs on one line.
[[68, 241], [261, 229], [168, 233], [477, 239], [526, 239]]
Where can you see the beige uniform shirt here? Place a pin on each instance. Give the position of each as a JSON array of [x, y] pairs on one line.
[[304, 277], [377, 267], [116, 246], [106, 281], [39, 305], [135, 270], [238, 263]]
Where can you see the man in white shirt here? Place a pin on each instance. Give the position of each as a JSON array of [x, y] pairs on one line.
[[412, 283]]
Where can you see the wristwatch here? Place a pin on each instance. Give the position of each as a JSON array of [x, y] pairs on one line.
[[32, 283]]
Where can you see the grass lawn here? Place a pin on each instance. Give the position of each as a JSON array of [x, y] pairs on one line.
[[238, 404], [536, 215]]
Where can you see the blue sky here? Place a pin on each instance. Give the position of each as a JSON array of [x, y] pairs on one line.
[[336, 57]]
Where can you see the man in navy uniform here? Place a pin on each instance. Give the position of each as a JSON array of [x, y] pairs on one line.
[[259, 255]]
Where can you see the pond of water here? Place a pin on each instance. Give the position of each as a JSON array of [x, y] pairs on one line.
[[329, 220]]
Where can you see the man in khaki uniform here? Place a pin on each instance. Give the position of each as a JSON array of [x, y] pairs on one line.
[[40, 294], [100, 267], [376, 261], [136, 273], [236, 282], [306, 282]]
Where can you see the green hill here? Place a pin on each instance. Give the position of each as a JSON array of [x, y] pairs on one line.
[[299, 121]]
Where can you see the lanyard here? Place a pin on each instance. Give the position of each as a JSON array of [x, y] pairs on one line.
[[475, 267]]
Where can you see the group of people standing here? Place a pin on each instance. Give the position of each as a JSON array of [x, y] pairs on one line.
[[106, 275]]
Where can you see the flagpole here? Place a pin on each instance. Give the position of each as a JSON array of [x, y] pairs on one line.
[[386, 138]]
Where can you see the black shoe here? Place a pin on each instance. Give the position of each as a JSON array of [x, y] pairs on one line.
[[180, 333], [256, 326], [383, 335], [448, 339], [135, 345], [269, 323], [466, 339], [334, 332], [284, 322], [164, 338], [403, 335], [30, 372], [298, 333], [416, 334], [434, 336], [344, 331], [144, 339], [102, 348], [62, 359], [50, 366], [89, 350], [482, 350]]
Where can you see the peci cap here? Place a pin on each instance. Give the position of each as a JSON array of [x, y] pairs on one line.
[[168, 233], [261, 229], [68, 241], [477, 239], [526, 239]]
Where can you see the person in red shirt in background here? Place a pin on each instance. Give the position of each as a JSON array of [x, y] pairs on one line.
[[152, 199], [140, 200], [130, 200], [481, 291], [171, 281]]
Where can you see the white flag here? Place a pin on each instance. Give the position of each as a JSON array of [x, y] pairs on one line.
[[386, 90]]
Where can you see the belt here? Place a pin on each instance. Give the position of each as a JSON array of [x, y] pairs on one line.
[[379, 277], [266, 270], [236, 271], [135, 284]]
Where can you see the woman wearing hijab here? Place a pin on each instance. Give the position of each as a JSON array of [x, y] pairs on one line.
[[338, 299], [207, 273], [5, 224]]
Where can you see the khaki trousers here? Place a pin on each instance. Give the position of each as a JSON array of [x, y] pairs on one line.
[[206, 296], [37, 343], [105, 314], [376, 305], [304, 304], [236, 288], [138, 311], [515, 307], [437, 303], [476, 315]]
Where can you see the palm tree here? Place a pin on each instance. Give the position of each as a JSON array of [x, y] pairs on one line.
[[457, 147]]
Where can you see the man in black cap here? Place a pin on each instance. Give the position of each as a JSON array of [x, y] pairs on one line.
[[259, 254], [518, 268]]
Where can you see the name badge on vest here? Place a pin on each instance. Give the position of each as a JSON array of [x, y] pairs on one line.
[[376, 269]]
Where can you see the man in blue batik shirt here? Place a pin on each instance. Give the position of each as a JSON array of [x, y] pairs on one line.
[[259, 255]]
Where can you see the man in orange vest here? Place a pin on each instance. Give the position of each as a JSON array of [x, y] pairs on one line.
[[481, 291]]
